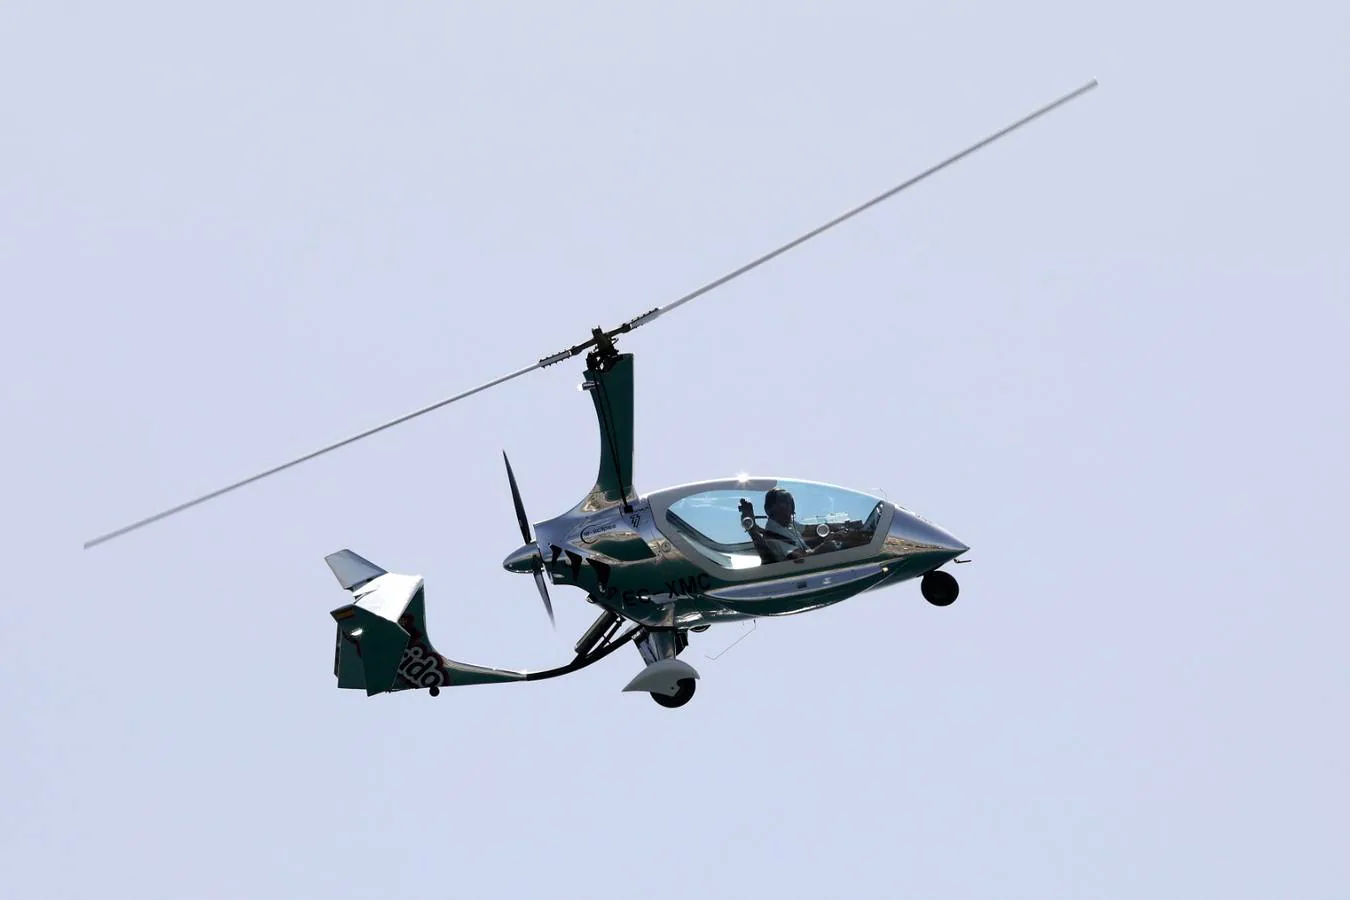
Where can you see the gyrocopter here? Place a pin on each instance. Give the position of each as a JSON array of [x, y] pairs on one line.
[[658, 565]]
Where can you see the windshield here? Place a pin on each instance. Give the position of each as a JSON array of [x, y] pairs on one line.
[[735, 528]]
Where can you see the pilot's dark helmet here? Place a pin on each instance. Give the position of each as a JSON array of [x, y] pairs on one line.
[[774, 497]]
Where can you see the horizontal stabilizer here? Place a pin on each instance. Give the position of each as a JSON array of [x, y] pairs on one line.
[[351, 570]]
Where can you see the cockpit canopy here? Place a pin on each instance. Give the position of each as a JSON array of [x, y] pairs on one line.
[[728, 524]]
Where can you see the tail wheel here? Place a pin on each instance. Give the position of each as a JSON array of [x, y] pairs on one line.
[[682, 696], [939, 588]]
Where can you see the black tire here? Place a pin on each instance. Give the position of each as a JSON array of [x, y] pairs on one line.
[[940, 588], [683, 695]]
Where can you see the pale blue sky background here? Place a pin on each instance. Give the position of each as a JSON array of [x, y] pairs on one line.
[[1107, 352]]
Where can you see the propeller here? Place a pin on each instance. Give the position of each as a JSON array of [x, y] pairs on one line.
[[603, 339], [537, 563]]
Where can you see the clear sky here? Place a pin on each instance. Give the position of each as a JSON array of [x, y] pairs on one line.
[[1108, 353]]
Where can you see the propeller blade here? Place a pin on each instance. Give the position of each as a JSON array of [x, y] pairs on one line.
[[520, 507], [543, 592], [525, 536]]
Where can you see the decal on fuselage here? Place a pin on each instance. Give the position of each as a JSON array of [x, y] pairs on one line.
[[627, 597], [421, 667], [687, 587], [591, 532]]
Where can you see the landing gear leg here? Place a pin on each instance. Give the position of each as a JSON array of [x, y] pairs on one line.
[[939, 588]]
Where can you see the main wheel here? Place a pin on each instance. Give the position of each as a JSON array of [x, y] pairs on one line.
[[682, 696], [939, 588]]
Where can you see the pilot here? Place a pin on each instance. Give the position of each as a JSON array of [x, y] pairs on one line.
[[783, 540]]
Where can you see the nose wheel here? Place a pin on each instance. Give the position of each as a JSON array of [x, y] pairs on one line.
[[669, 681], [683, 694], [939, 588]]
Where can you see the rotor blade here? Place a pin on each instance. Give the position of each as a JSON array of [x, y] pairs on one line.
[[295, 462], [628, 326], [657, 313], [543, 592], [520, 507]]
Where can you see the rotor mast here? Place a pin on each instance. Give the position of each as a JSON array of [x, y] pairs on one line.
[[609, 381]]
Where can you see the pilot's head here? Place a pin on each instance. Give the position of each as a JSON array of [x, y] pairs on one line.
[[779, 506]]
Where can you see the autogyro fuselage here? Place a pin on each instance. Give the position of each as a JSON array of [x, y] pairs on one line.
[[664, 564], [693, 555]]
